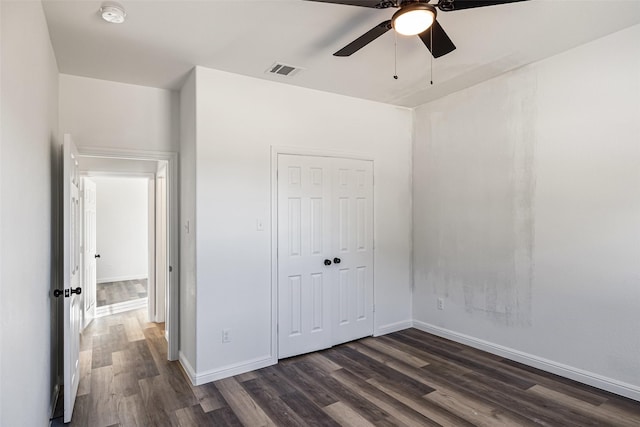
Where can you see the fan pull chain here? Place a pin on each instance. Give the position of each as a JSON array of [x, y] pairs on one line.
[[431, 43], [395, 55]]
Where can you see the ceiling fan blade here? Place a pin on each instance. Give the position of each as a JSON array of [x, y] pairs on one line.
[[442, 44], [451, 5], [376, 4], [364, 39]]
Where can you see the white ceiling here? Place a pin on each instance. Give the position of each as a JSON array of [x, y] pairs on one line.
[[162, 40]]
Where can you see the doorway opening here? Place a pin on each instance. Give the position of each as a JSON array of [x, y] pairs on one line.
[[124, 224], [129, 228]]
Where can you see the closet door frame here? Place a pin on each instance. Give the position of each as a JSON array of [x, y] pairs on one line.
[[301, 151]]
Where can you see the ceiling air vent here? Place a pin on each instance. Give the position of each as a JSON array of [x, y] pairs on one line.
[[283, 70]]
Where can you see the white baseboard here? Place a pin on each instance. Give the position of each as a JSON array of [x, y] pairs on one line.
[[121, 278], [188, 369], [227, 371], [121, 307], [392, 327], [576, 374]]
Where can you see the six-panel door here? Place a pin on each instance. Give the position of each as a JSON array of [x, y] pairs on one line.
[[325, 252], [71, 275], [352, 232]]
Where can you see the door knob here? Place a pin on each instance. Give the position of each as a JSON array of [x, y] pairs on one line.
[[96, 256], [327, 262], [58, 292], [336, 260]]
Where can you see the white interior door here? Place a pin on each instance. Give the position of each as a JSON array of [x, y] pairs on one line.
[[352, 232], [152, 285], [325, 252], [71, 274], [304, 242], [161, 246], [89, 249]]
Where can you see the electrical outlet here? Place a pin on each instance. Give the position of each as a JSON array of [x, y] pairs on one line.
[[440, 303], [226, 336]]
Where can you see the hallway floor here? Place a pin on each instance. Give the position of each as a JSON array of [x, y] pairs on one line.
[[119, 292]]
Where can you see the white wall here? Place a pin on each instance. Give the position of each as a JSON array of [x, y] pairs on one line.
[[187, 221], [122, 218], [104, 114], [29, 135], [527, 213], [238, 120]]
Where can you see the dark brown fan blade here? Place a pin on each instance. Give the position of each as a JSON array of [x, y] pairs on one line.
[[442, 44], [451, 5], [364, 39], [376, 4]]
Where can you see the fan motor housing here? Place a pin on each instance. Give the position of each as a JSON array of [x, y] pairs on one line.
[[403, 3]]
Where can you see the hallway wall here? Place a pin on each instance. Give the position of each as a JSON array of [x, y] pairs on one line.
[[122, 223], [29, 169]]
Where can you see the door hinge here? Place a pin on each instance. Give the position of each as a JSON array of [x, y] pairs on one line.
[[170, 269], [374, 308]]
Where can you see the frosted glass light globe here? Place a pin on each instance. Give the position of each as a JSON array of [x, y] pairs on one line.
[[413, 20]]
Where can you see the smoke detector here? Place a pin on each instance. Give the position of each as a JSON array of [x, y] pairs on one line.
[[113, 13]]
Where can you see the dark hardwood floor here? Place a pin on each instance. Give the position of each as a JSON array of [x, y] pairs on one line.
[[123, 291], [407, 378]]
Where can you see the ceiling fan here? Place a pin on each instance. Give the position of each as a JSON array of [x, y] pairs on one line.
[[413, 17]]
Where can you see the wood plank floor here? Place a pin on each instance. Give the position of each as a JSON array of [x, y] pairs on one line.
[[407, 378], [123, 291]]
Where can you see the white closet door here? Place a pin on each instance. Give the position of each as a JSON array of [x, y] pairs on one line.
[[352, 240], [325, 252], [304, 242]]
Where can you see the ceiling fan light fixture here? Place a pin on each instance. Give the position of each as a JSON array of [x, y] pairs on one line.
[[413, 19], [113, 13]]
